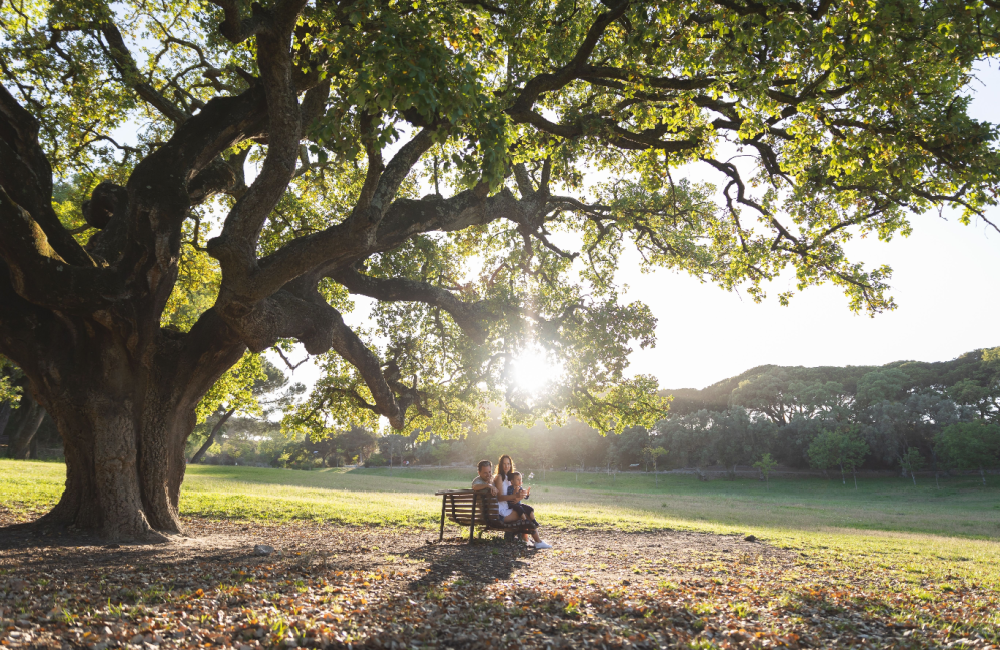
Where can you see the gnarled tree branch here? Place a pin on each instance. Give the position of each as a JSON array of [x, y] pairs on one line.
[[26, 176], [40, 275], [471, 317], [121, 57]]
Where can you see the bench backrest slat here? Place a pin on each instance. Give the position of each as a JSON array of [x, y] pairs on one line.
[[460, 507]]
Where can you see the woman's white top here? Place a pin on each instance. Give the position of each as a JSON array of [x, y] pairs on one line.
[[503, 507]]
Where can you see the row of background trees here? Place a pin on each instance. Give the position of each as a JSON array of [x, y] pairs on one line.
[[904, 415]]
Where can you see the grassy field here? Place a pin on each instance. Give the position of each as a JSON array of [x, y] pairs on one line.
[[885, 524]]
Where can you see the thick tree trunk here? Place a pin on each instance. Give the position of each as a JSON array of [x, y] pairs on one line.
[[124, 467], [211, 437], [83, 324], [124, 411]]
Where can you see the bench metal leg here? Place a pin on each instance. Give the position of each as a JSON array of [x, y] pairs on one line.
[[444, 500]]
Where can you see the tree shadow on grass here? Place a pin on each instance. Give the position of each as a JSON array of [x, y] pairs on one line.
[[44, 547]]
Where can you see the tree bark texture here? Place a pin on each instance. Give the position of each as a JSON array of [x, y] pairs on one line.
[[83, 323], [124, 410]]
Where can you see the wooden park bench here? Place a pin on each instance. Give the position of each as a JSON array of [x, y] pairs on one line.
[[471, 508]]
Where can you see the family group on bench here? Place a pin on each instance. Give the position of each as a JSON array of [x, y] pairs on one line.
[[496, 501]]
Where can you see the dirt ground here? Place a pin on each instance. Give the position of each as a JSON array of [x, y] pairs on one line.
[[327, 586]]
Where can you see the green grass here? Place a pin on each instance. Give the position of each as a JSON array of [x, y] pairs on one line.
[[887, 524]]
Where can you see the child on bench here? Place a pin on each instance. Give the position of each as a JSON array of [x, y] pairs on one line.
[[517, 506]]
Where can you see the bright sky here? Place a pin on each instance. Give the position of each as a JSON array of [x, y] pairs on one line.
[[944, 283]]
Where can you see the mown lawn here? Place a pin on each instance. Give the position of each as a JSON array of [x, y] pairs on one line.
[[885, 525]]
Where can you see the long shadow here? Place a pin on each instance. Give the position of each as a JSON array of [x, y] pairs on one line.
[[36, 546], [36, 535], [39, 546], [483, 562]]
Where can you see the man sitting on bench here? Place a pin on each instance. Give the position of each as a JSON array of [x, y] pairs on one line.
[[482, 482]]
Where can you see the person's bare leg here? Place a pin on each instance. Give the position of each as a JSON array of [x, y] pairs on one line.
[[525, 536], [532, 520]]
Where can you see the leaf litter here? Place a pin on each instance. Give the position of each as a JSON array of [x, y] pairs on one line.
[[353, 587]]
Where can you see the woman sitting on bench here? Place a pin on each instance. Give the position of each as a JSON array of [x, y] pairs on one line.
[[501, 482]]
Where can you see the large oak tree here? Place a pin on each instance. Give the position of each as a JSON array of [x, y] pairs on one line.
[[281, 149]]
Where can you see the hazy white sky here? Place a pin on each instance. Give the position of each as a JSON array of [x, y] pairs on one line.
[[944, 282]]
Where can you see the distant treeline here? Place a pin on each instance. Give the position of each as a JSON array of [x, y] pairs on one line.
[[905, 416]]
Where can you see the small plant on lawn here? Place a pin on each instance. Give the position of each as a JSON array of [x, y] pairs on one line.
[[67, 617], [702, 609], [653, 455], [118, 611], [765, 465], [742, 610]]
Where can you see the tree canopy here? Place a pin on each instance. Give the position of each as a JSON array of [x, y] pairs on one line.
[[477, 168]]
